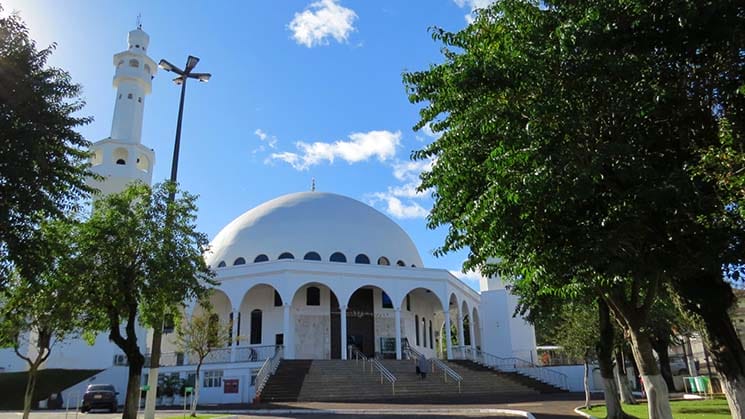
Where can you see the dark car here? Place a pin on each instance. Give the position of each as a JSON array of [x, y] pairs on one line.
[[99, 396]]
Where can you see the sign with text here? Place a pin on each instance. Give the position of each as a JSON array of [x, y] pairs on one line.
[[230, 386]]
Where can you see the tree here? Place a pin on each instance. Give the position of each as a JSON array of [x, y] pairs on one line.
[[41, 308], [42, 158], [142, 257], [569, 134], [198, 336]]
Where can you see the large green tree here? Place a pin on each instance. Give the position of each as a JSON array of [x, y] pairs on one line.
[[570, 135], [42, 158], [142, 256]]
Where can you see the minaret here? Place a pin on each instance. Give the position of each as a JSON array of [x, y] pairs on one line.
[[121, 158]]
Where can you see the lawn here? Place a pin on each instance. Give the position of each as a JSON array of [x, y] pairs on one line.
[[682, 409], [13, 385]]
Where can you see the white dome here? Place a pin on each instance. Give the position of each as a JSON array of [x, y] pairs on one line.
[[318, 222]]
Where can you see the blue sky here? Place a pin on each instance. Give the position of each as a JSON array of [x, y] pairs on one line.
[[301, 89]]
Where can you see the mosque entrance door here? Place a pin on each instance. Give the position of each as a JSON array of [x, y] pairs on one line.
[[360, 323]]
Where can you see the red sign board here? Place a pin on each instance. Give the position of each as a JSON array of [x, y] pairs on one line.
[[230, 386]]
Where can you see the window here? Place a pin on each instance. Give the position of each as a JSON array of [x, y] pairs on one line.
[[147, 68], [413, 266], [312, 256], [313, 296], [130, 95], [466, 329], [212, 379], [121, 162], [277, 299], [384, 261], [286, 255], [416, 328], [261, 258], [279, 339], [255, 327], [408, 302], [338, 257], [431, 344], [134, 63], [362, 259], [424, 332], [401, 263], [239, 261], [387, 303], [139, 99], [230, 327], [238, 331], [221, 264], [119, 64]]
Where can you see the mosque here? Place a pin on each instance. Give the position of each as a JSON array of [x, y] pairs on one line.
[[314, 273]]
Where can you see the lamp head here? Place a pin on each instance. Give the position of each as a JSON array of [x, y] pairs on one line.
[[203, 77], [179, 80], [165, 65], [191, 62]]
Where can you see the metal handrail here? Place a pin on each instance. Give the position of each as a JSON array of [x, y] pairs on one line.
[[513, 364], [357, 355], [446, 371], [267, 370], [384, 373]]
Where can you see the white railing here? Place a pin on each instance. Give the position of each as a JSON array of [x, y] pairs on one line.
[[511, 364], [255, 353], [267, 370], [216, 356], [385, 374], [446, 372]]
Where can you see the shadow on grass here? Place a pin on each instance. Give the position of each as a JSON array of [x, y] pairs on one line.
[[704, 410]]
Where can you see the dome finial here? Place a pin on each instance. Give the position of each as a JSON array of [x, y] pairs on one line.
[[139, 21], [313, 184]]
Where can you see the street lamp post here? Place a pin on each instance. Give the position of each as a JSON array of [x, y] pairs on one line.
[[181, 79]]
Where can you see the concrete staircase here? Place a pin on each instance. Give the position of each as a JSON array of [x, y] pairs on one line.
[[344, 381], [515, 377]]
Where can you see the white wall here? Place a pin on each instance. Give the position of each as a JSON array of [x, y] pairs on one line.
[[312, 326], [495, 323]]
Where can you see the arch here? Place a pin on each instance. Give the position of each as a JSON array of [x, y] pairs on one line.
[[362, 258], [316, 328], [476, 328], [143, 163], [286, 255], [424, 309], [222, 264], [134, 63], [312, 256], [147, 67], [239, 261], [121, 155], [401, 263], [261, 258], [384, 261], [464, 308], [453, 303], [220, 303], [338, 257], [263, 330]]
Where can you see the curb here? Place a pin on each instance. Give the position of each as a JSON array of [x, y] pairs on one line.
[[578, 410], [506, 412]]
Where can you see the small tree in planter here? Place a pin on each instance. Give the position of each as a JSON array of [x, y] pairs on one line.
[[198, 336]]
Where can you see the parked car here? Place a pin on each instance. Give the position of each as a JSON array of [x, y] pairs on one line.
[[99, 396], [678, 365]]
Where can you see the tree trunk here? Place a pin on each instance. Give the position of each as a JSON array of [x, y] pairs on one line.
[[623, 381], [660, 347], [586, 383], [604, 351], [132, 398], [154, 366], [654, 385], [195, 400], [28, 396]]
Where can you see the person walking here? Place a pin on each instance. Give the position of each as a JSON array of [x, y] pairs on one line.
[[421, 366]]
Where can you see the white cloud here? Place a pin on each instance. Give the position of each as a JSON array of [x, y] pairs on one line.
[[410, 170], [269, 139], [473, 5], [398, 209], [320, 20], [360, 147]]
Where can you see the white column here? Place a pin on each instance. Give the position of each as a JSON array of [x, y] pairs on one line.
[[343, 337], [397, 319], [461, 340], [472, 332], [234, 342], [289, 339], [448, 344]]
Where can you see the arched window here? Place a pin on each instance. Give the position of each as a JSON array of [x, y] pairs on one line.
[[221, 264], [255, 327], [384, 261], [338, 257], [147, 68], [431, 345], [401, 263], [416, 328], [361, 258], [466, 329], [313, 296], [261, 258], [277, 299], [239, 261], [408, 302], [121, 162], [424, 332], [413, 266], [312, 256], [119, 64], [134, 63], [286, 255], [387, 303]]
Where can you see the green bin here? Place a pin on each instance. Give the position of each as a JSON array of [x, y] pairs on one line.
[[702, 383], [692, 384]]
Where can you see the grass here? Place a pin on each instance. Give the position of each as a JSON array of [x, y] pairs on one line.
[[13, 385], [682, 409]]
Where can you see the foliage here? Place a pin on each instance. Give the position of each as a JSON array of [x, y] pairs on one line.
[[200, 334], [142, 257], [43, 160]]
